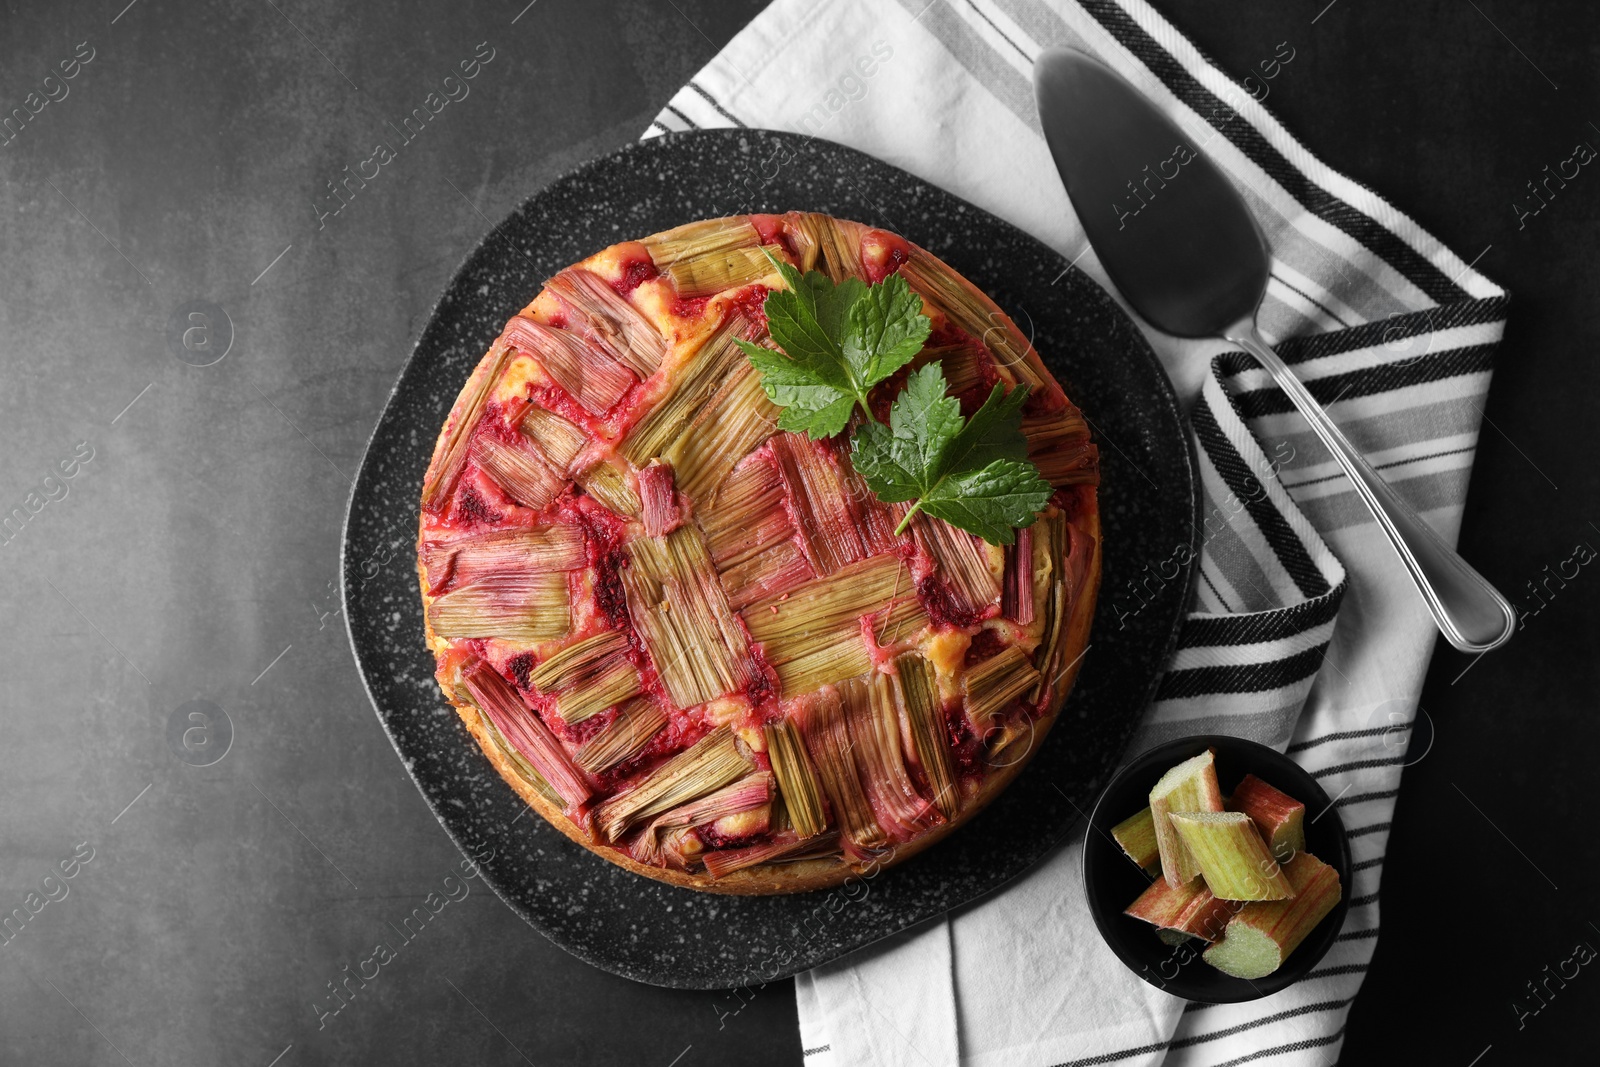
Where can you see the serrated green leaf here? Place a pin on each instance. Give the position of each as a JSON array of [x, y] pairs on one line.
[[807, 407], [807, 346], [899, 461], [994, 431], [847, 337], [873, 454], [816, 297], [838, 341], [972, 473], [927, 419], [816, 415], [992, 501], [775, 367], [885, 329]]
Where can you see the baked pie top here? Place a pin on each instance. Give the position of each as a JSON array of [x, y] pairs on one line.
[[694, 642]]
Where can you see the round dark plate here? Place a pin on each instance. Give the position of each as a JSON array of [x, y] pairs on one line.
[[658, 933], [1111, 882]]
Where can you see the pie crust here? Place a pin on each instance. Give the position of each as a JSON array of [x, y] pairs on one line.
[[622, 559]]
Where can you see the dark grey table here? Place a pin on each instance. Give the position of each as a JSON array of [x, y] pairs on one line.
[[173, 530]]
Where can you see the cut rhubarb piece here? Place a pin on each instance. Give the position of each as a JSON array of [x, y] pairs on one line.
[[451, 453], [995, 683], [693, 383], [872, 715], [1059, 446], [1260, 937], [1016, 597], [720, 271], [836, 516], [797, 778], [559, 441], [1190, 908], [520, 470], [823, 726], [522, 550], [733, 422], [751, 792], [577, 365], [679, 609], [510, 606], [924, 716], [659, 499], [1190, 786], [525, 732], [819, 495], [804, 238], [1279, 817], [1065, 557], [961, 564], [578, 662], [782, 848], [876, 519], [813, 636], [1052, 597], [1232, 858], [525, 770], [702, 238], [618, 682], [835, 244], [624, 737], [610, 321], [608, 483], [713, 762], [751, 536], [1137, 836]]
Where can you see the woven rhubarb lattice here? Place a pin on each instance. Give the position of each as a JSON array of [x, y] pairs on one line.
[[695, 643]]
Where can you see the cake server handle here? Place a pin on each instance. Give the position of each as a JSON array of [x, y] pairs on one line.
[[1471, 613]]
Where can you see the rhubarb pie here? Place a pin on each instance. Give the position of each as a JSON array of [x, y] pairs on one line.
[[694, 642]]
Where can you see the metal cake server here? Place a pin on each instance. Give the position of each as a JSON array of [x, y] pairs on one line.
[[1185, 252]]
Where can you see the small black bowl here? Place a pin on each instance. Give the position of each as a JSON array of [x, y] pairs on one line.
[[1112, 882]]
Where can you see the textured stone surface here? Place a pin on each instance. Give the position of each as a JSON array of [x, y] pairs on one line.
[[669, 936]]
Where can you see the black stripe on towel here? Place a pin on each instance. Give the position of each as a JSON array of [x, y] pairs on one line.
[[724, 112], [1391, 331], [1356, 765], [1241, 677], [1363, 798], [1308, 1009], [1342, 735], [1200, 631], [1112, 1057], [1236, 475], [685, 119], [1293, 1046], [1433, 367]]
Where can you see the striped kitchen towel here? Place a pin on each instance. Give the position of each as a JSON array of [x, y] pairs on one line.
[[1304, 632]]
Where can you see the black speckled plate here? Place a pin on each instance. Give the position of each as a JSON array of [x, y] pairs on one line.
[[661, 934]]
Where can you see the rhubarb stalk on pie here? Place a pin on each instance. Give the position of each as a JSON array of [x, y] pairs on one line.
[[693, 642]]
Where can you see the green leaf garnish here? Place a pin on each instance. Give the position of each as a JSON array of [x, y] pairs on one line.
[[838, 341], [972, 473]]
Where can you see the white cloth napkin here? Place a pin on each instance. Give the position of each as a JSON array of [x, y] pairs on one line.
[[1283, 643]]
